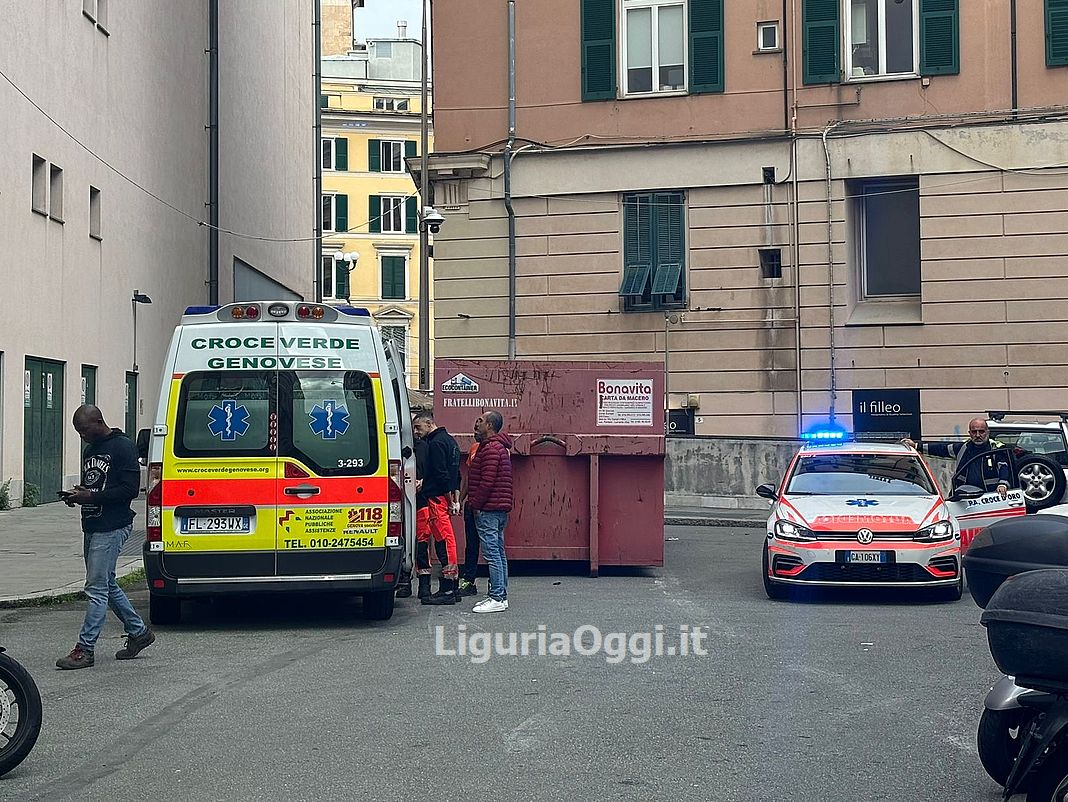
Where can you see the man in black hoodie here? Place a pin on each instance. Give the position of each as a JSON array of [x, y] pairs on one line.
[[440, 485], [111, 477]]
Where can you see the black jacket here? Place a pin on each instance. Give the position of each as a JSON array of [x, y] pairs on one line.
[[110, 469], [971, 468], [442, 465]]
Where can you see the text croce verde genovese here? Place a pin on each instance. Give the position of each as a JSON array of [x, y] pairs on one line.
[[272, 361]]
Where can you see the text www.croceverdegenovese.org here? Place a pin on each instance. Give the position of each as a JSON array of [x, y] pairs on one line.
[[585, 641], [224, 470]]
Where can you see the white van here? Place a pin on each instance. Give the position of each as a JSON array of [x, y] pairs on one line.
[[281, 458]]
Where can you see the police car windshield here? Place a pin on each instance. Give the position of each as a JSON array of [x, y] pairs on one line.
[[860, 475]]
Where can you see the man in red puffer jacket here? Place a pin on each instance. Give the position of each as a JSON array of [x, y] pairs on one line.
[[489, 492]]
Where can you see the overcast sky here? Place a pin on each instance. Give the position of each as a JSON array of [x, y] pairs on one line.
[[379, 18]]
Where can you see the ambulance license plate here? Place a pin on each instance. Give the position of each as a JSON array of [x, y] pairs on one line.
[[226, 525], [866, 556]]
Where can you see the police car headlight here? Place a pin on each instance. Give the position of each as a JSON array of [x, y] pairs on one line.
[[943, 530], [787, 530]]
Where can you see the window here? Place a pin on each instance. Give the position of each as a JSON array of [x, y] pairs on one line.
[[335, 277], [770, 262], [327, 421], [654, 251], [768, 36], [397, 337], [387, 155], [55, 193], [39, 191], [394, 215], [859, 39], [1057, 33], [394, 277], [886, 234], [335, 153], [882, 37], [391, 104], [94, 213], [335, 213], [662, 46]]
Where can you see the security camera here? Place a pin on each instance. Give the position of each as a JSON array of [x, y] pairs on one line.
[[433, 219]]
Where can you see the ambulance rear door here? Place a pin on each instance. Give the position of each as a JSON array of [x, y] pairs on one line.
[[332, 492], [220, 464]]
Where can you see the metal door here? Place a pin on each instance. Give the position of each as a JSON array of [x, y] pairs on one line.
[[43, 432], [88, 384], [131, 405]]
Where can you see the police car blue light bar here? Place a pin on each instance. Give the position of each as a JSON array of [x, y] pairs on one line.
[[825, 433]]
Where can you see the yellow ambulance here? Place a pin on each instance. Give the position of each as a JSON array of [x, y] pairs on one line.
[[280, 459]]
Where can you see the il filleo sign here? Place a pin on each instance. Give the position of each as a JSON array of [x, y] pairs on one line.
[[895, 413]]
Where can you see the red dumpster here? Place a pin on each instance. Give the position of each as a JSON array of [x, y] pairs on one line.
[[588, 457]]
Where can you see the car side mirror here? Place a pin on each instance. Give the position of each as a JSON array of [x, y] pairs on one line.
[[965, 492], [767, 491], [142, 445]]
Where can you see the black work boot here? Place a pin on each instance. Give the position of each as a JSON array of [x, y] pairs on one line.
[[424, 588], [446, 593]]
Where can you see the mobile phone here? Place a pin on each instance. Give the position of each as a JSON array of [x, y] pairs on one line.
[[63, 493]]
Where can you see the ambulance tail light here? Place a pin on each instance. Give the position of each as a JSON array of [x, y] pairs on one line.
[[154, 516], [396, 499]]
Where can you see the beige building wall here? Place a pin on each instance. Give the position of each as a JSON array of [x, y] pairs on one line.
[[131, 95], [986, 332], [336, 20]]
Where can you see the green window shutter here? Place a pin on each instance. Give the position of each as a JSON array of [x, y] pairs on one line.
[[375, 209], [324, 102], [341, 282], [939, 37], [1057, 33], [374, 155], [393, 277], [411, 215], [341, 213], [706, 46], [637, 248], [598, 49], [669, 230], [820, 41], [410, 148], [341, 153]]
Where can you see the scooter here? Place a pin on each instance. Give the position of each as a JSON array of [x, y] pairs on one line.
[[1041, 767], [20, 713]]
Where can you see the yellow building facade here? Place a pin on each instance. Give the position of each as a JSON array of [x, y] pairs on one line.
[[371, 112]]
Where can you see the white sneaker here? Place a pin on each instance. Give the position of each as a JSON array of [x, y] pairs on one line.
[[490, 606]]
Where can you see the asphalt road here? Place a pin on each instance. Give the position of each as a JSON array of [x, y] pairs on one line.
[[837, 698]]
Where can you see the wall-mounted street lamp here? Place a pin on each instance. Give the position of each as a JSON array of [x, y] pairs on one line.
[[138, 298], [350, 258]]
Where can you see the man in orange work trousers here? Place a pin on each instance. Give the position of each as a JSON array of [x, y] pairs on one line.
[[438, 489]]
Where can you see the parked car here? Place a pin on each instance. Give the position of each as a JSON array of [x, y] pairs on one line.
[[1044, 481], [871, 514]]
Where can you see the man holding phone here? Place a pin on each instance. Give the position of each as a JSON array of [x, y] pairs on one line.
[[111, 476]]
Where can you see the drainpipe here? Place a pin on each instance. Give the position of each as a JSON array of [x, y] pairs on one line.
[[317, 150], [213, 152], [1015, 73], [785, 72], [425, 368], [797, 282], [508, 153], [830, 268]]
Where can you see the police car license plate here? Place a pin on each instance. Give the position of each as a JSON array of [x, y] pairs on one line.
[[866, 556], [226, 525]]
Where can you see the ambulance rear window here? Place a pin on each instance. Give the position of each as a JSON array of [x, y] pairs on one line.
[[331, 419], [224, 414]]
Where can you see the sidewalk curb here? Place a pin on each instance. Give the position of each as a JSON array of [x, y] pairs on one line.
[[749, 523], [66, 593]]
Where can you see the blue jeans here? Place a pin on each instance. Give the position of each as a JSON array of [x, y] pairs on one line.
[[101, 550], [490, 525]]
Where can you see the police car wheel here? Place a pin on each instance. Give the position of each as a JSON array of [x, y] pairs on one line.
[[1042, 481], [773, 589]]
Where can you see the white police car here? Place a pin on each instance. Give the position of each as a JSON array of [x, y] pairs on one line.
[[871, 514]]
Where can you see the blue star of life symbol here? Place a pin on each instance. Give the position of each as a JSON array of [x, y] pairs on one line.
[[862, 502], [329, 419], [228, 420]]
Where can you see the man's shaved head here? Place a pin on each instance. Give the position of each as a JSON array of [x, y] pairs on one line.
[[89, 423]]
